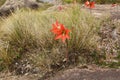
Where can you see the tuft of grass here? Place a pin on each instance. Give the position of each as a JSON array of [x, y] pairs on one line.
[[2, 2], [29, 30]]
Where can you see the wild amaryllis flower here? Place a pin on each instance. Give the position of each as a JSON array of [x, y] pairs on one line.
[[92, 5], [56, 28], [87, 3], [60, 7], [64, 35], [60, 31]]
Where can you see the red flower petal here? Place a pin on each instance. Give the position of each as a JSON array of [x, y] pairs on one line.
[[87, 3], [67, 36], [60, 31], [57, 23], [58, 37], [92, 4], [63, 38]]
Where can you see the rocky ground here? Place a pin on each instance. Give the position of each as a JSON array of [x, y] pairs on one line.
[[90, 73], [101, 10], [70, 74], [85, 74]]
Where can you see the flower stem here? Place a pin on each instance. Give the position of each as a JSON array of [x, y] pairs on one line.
[[66, 53]]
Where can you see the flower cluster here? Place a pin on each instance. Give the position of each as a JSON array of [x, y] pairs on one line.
[[90, 4], [60, 31], [87, 3], [60, 8]]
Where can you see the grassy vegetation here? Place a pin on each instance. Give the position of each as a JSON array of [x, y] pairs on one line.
[[2, 2], [27, 33]]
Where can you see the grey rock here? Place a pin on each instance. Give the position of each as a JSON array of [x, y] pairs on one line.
[[11, 5], [49, 1]]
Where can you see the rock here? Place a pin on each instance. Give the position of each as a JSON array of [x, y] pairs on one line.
[[51, 1], [31, 4], [10, 5], [85, 74]]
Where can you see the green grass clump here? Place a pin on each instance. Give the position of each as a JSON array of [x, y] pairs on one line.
[[25, 31], [68, 1], [2, 2]]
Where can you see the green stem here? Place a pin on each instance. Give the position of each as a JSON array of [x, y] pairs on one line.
[[67, 56]]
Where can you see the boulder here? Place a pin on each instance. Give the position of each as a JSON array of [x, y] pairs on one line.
[[10, 5]]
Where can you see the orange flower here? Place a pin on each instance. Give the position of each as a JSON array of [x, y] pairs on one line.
[[87, 3], [92, 4], [60, 8], [64, 35], [60, 31], [56, 28]]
